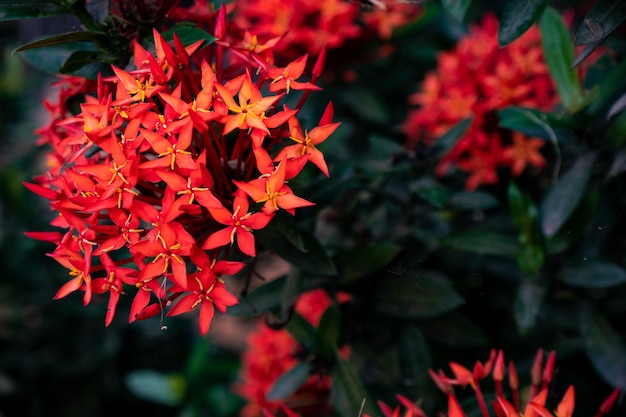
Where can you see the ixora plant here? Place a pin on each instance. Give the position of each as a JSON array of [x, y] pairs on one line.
[[431, 203]]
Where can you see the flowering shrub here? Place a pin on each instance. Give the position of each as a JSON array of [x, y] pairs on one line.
[[260, 159]]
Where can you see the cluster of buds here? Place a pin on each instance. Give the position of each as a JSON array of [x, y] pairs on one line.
[[168, 164]]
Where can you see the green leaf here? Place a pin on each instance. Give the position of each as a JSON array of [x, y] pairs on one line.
[[446, 142], [366, 104], [428, 189], [585, 53], [483, 242], [63, 38], [609, 86], [263, 298], [534, 122], [188, 34], [526, 219], [528, 302], [291, 290], [415, 296], [327, 334], [518, 17], [414, 359], [348, 393], [592, 275], [604, 346], [52, 59], [455, 331], [26, 9], [603, 18], [361, 262], [308, 254], [563, 198], [167, 389], [289, 382], [456, 8], [476, 200], [558, 51], [303, 332], [577, 224], [77, 60]]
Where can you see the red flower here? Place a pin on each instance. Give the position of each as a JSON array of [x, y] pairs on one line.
[[476, 79], [240, 223], [272, 190], [149, 165], [270, 354]]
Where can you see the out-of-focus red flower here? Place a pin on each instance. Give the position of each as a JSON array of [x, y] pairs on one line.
[[271, 353], [308, 25], [477, 79]]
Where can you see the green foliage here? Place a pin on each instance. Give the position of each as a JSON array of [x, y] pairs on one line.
[[518, 17], [559, 54]]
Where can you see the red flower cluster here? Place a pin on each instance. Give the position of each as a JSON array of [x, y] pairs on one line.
[[271, 353], [165, 166], [474, 80], [541, 376], [310, 25]]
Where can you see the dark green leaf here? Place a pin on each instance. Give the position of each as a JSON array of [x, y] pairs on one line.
[[52, 59], [361, 262], [447, 141], [483, 242], [604, 346], [303, 332], [428, 189], [455, 331], [593, 275], [290, 292], [609, 86], [327, 335], [415, 296], [534, 122], [348, 393], [289, 382], [603, 18], [264, 298], [311, 256], [77, 61], [526, 219], [617, 107], [559, 55], [477, 200], [188, 34], [518, 17], [366, 104], [25, 9], [584, 54], [564, 196], [63, 38], [577, 224], [457, 8], [528, 302], [414, 358], [167, 389]]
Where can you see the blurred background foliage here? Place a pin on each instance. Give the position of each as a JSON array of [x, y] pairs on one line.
[[436, 273]]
